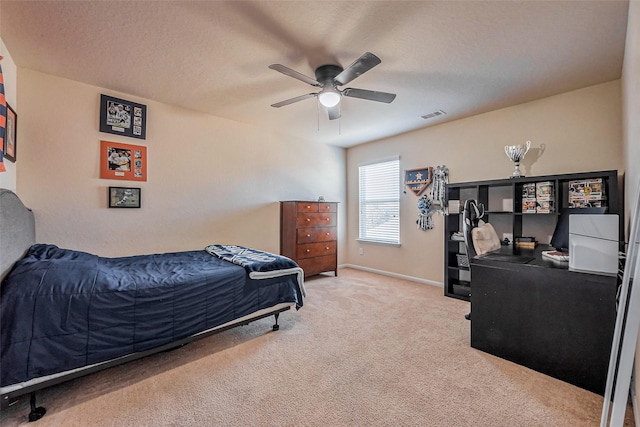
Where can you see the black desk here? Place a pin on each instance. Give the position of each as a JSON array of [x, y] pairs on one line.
[[537, 313]]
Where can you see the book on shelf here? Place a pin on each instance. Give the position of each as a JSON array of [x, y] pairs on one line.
[[519, 239], [525, 242], [526, 245]]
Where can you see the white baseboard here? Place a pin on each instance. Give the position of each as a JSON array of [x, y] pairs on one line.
[[396, 275]]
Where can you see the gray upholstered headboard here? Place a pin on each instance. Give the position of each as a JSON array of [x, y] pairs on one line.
[[17, 230]]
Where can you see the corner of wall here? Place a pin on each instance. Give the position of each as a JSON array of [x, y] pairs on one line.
[[9, 72]]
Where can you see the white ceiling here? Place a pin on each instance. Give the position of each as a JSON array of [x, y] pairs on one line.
[[462, 57]]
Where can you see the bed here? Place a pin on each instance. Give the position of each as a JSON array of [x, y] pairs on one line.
[[67, 313]]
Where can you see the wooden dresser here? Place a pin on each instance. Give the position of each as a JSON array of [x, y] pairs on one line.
[[308, 235]]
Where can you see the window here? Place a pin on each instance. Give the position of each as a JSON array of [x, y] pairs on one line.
[[380, 202]]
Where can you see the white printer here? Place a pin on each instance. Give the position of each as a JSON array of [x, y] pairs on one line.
[[593, 243]]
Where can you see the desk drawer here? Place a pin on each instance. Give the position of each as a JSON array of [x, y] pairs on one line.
[[310, 250]]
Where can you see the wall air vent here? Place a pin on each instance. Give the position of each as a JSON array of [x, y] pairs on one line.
[[434, 114]]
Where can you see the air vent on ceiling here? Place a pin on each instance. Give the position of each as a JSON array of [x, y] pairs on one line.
[[434, 114]]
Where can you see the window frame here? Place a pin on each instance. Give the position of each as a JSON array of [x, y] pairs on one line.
[[396, 190]]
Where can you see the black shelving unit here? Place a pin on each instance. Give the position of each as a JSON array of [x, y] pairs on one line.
[[502, 199]]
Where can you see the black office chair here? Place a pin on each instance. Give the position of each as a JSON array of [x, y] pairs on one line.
[[471, 214]]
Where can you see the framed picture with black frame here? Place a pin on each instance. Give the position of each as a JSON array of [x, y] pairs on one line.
[[124, 197], [121, 117], [11, 135]]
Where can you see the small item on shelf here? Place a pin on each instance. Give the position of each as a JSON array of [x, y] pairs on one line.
[[516, 153], [556, 256], [529, 190], [587, 193], [529, 197], [544, 189], [463, 260], [545, 206], [525, 242], [458, 236], [454, 206], [545, 197]]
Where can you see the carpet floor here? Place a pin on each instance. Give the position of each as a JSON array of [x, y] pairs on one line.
[[365, 350]]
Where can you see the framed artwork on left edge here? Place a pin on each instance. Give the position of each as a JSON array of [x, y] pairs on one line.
[[124, 197], [123, 161], [9, 146]]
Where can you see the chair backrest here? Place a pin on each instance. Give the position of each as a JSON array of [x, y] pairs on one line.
[[471, 214]]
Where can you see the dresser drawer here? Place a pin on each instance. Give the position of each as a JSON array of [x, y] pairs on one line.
[[327, 207], [307, 207], [309, 250], [316, 219], [317, 234], [317, 265]]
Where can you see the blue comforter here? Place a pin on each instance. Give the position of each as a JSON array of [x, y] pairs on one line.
[[63, 309]]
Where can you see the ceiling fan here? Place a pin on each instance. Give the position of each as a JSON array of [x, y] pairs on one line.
[[329, 77]]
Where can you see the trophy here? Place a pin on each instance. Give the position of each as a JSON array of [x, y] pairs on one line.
[[516, 153]]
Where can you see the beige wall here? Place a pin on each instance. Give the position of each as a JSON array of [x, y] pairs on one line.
[[631, 130], [8, 178], [580, 131], [631, 105], [210, 180]]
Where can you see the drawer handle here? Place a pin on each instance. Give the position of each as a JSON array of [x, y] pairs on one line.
[[308, 219], [308, 235], [328, 234], [308, 207], [308, 250], [327, 248], [328, 219]]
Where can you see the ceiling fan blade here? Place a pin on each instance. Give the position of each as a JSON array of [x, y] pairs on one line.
[[370, 95], [293, 73], [360, 66], [292, 100], [334, 112]]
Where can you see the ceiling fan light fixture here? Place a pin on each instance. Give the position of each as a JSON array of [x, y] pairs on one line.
[[329, 98]]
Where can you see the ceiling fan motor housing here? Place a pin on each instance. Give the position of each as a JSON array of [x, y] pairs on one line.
[[326, 73]]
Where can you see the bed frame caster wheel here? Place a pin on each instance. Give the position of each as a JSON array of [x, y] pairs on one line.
[[36, 413], [276, 327]]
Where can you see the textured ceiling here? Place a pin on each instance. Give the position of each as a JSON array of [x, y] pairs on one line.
[[462, 57]]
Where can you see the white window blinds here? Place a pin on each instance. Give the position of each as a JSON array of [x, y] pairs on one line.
[[380, 202]]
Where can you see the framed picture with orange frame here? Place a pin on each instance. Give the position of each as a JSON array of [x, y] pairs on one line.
[[123, 161]]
